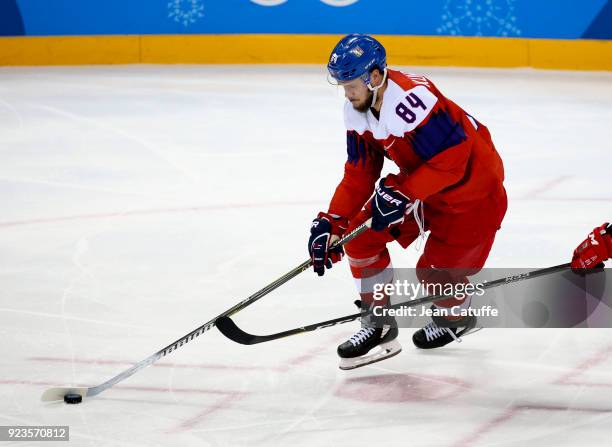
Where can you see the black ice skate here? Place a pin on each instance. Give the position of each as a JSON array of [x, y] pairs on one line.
[[433, 336], [355, 352]]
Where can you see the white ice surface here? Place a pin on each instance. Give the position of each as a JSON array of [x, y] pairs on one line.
[[138, 202]]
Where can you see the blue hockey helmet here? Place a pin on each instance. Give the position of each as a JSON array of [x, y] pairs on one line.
[[355, 56]]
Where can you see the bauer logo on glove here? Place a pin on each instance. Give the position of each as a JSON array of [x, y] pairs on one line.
[[389, 204]]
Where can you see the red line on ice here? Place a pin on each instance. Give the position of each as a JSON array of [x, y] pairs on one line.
[[546, 186], [582, 367], [222, 404], [227, 402], [120, 214], [510, 413], [588, 384], [303, 358], [566, 379], [566, 199], [487, 427], [155, 365], [125, 387], [312, 353]]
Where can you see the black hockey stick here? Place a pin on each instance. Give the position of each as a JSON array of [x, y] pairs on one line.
[[228, 328], [58, 393]]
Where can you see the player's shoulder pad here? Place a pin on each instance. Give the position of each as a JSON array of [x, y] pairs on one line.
[[354, 120], [406, 106]]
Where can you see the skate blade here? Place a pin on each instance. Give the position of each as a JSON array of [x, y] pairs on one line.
[[459, 337], [471, 331], [385, 351]]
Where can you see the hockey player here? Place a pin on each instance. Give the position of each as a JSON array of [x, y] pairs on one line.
[[450, 182]]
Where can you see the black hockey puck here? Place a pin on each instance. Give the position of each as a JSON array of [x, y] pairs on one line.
[[72, 398]]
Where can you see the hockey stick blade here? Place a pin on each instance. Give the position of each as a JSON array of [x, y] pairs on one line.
[[234, 333], [228, 328], [55, 394], [231, 330]]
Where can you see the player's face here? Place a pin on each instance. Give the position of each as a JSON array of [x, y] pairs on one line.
[[358, 94]]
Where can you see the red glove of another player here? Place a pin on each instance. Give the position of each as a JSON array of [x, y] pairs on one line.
[[595, 249]]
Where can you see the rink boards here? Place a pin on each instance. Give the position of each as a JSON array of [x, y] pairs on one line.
[[576, 54]]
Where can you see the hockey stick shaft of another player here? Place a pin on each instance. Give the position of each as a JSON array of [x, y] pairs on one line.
[[228, 328], [58, 393]]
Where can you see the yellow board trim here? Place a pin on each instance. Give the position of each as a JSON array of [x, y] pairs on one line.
[[77, 50], [303, 49]]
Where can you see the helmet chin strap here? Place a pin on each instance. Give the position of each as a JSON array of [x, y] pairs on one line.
[[375, 89]]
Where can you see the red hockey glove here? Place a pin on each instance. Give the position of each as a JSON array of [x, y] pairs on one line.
[[595, 249], [325, 230]]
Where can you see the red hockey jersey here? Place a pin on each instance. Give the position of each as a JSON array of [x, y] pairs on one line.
[[445, 156]]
